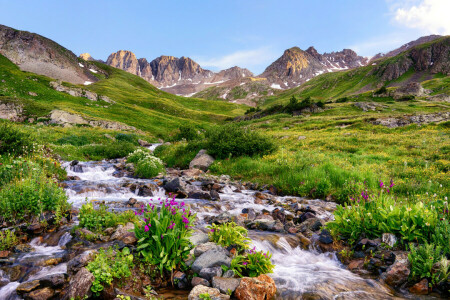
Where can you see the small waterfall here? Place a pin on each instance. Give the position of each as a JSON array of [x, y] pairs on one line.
[[8, 292], [153, 147], [65, 238]]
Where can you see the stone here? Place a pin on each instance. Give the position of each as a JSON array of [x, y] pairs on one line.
[[175, 186], [192, 172], [225, 285], [229, 274], [122, 231], [209, 259], [265, 224], [304, 241], [212, 292], [214, 195], [181, 279], [199, 281], [143, 143], [209, 273], [256, 288], [325, 237], [200, 249], [80, 261], [389, 239], [27, 287], [201, 161], [398, 273], [420, 288], [313, 224], [42, 294], [53, 280], [200, 195], [80, 284], [4, 254], [199, 238]]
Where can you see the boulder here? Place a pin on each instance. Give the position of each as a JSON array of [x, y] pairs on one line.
[[175, 186], [201, 161], [325, 237], [200, 249], [420, 288], [122, 231], [199, 281], [80, 285], [209, 259], [42, 294], [225, 285], [257, 288], [80, 261], [200, 195], [199, 238], [143, 143], [192, 172], [53, 280], [214, 195], [210, 273], [398, 273], [27, 287], [213, 293]]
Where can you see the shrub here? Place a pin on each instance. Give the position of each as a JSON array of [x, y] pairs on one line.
[[101, 218], [109, 265], [372, 215], [73, 140], [163, 238], [187, 132], [342, 100], [179, 155], [423, 259], [13, 141], [232, 141], [229, 234], [8, 239], [128, 138], [252, 264], [382, 90], [146, 165], [31, 196]]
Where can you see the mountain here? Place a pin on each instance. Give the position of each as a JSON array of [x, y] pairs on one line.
[[426, 63], [296, 66], [181, 76], [37, 54], [421, 40]]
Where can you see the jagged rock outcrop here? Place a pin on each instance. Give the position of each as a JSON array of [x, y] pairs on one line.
[[37, 54], [11, 111], [79, 92], [64, 118], [125, 60], [395, 122], [296, 66]]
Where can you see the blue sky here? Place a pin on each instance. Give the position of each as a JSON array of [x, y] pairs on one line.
[[221, 34]]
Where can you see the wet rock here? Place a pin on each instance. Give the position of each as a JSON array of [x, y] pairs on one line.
[[313, 224], [181, 279], [16, 272], [122, 231], [209, 273], [201, 161], [325, 237], [304, 241], [80, 284], [80, 261], [222, 218], [4, 254], [365, 244], [52, 261], [175, 186], [279, 214], [305, 216], [420, 288], [397, 274], [199, 238], [214, 195], [225, 285], [199, 281], [42, 294], [212, 292], [209, 259], [200, 195], [53, 280], [200, 249], [257, 288], [27, 287], [192, 172], [389, 239], [251, 214], [263, 224]]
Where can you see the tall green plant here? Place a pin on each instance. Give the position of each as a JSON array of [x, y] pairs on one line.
[[229, 234], [163, 238]]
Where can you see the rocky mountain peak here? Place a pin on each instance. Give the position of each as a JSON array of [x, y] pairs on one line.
[[125, 60], [313, 52], [86, 57]]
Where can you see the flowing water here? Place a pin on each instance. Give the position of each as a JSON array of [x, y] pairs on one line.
[[299, 274]]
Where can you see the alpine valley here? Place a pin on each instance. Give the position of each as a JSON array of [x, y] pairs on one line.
[[323, 177]]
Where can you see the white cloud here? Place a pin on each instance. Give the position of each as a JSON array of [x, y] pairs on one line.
[[251, 59], [429, 16]]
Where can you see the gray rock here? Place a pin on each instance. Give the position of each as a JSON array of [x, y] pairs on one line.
[[80, 261], [229, 274], [176, 185], [209, 273], [80, 285], [209, 259], [200, 195], [200, 249], [53, 280], [225, 285], [199, 281], [389, 239], [201, 161], [122, 231], [199, 238], [212, 292], [214, 195]]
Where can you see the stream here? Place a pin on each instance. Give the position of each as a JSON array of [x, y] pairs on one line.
[[299, 273]]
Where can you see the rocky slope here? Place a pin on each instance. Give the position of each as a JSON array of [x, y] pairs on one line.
[[296, 66], [419, 41], [37, 54], [181, 76]]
